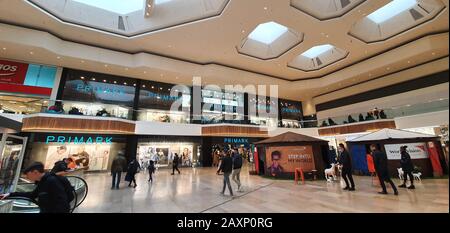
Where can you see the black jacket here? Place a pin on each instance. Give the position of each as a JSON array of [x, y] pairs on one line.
[[237, 161], [50, 195], [176, 161], [381, 164], [406, 162], [119, 164], [60, 166], [227, 165], [345, 161]]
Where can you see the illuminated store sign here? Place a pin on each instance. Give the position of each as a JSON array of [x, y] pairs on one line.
[[78, 140], [290, 110], [163, 97], [99, 89], [236, 140]]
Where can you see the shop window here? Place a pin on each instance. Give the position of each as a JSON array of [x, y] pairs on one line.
[[40, 76]]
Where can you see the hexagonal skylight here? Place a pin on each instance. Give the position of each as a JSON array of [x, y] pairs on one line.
[[268, 32], [269, 40], [325, 9], [128, 17], [394, 18], [318, 57], [116, 6], [390, 10]]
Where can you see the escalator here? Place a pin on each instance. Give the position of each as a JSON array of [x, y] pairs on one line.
[[25, 205]]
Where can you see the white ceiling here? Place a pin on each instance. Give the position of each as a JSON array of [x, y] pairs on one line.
[[209, 47]]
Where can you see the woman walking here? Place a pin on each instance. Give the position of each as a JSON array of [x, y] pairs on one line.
[[131, 172]]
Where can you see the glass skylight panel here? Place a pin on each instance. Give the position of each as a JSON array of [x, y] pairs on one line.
[[317, 51], [391, 9], [117, 6], [268, 32], [157, 2]]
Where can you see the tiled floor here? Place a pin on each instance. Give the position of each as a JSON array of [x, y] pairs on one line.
[[197, 190]]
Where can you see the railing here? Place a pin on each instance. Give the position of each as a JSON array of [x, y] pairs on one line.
[[164, 116], [393, 112]]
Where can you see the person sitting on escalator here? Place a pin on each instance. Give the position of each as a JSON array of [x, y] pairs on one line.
[[52, 193]]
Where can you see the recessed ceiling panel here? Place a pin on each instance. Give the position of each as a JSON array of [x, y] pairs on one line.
[[325, 9], [395, 18]]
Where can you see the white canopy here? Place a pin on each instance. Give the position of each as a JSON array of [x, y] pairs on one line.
[[386, 134]]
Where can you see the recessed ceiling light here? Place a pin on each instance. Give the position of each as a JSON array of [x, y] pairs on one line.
[[126, 68], [58, 57], [124, 83], [93, 79], [82, 77], [162, 75], [433, 53], [31, 52], [4, 48], [106, 65], [409, 62], [388, 68], [145, 72], [104, 80], [143, 86], [82, 61], [115, 82], [266, 8]]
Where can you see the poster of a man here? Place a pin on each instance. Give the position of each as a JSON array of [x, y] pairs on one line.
[[275, 169]]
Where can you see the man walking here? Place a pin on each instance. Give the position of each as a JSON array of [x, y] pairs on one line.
[[226, 166], [118, 166], [381, 166], [237, 165], [346, 163], [407, 167], [175, 163]]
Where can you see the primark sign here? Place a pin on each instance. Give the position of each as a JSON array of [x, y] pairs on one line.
[[78, 139]]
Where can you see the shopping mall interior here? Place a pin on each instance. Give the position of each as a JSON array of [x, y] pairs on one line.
[[278, 85]]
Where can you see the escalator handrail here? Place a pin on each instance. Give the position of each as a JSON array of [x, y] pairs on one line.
[[24, 199], [87, 190]]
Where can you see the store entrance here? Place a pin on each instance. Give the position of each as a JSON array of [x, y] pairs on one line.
[[215, 147]]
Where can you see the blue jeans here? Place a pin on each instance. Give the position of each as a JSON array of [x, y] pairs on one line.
[[226, 181], [116, 175]]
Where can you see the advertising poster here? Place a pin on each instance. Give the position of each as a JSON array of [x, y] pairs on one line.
[[165, 154], [8, 167], [93, 157], [286, 159], [415, 150]]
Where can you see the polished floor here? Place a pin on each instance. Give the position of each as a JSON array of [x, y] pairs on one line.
[[197, 191]]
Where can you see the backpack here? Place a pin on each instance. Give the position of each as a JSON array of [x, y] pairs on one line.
[[68, 188]]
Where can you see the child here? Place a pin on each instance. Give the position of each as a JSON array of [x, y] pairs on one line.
[[151, 170]]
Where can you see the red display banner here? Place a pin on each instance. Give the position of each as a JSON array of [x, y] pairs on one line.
[[434, 157], [12, 72]]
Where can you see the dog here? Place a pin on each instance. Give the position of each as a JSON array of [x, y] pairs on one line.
[[330, 173], [417, 176], [401, 173]]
